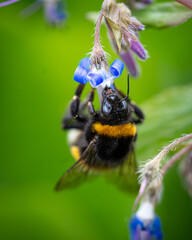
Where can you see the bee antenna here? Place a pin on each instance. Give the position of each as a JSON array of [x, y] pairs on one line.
[[127, 85], [127, 89]]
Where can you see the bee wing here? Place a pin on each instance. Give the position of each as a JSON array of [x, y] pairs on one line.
[[80, 171], [125, 176]]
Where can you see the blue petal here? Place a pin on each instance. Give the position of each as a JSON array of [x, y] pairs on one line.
[[95, 79], [105, 75], [55, 12], [155, 228], [85, 63], [134, 222], [116, 68], [80, 75], [151, 229]]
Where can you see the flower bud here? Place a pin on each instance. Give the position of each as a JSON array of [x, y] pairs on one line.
[[138, 48], [130, 62], [129, 43]]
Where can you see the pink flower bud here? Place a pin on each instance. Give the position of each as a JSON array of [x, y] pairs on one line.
[[138, 48], [130, 62]]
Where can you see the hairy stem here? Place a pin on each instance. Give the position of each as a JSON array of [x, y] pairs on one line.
[[140, 194], [98, 57], [154, 164], [97, 43], [175, 158], [168, 148]]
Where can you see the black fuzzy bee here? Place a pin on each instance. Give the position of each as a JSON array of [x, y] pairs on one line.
[[102, 140]]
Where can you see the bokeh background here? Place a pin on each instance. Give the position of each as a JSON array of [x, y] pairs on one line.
[[37, 63]]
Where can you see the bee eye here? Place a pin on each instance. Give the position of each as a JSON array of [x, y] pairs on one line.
[[106, 108], [111, 98], [122, 105]]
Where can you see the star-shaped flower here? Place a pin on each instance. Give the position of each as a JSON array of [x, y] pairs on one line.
[[87, 73]]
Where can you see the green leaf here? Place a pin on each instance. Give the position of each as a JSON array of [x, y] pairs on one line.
[[168, 116], [163, 15]]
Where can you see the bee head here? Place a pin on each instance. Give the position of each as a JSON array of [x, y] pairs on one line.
[[113, 106]]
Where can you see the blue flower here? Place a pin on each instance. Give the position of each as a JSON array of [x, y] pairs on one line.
[[84, 73], [145, 229], [54, 11]]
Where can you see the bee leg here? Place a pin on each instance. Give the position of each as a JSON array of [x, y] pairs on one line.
[[74, 107], [135, 138], [90, 107], [67, 117], [68, 122], [76, 125], [138, 113], [72, 118]]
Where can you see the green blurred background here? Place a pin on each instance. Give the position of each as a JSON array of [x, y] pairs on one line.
[[37, 63]]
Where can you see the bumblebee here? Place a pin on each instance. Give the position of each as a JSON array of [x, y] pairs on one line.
[[102, 141]]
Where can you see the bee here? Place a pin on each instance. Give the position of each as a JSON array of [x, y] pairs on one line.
[[102, 141]]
